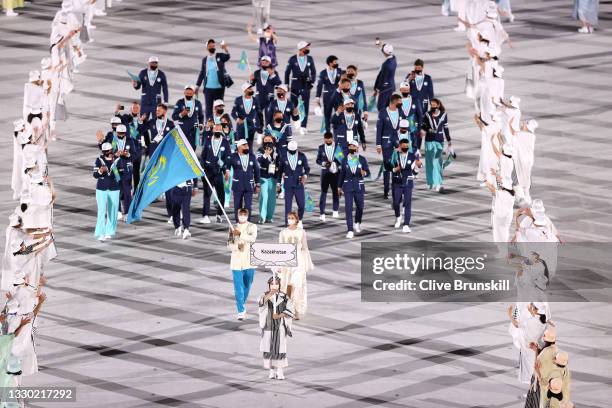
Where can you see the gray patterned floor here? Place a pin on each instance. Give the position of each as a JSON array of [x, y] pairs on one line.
[[147, 320]]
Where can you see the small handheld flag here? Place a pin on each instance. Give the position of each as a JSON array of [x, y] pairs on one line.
[[310, 204], [372, 104], [244, 61], [339, 154], [301, 109], [323, 127], [133, 77]]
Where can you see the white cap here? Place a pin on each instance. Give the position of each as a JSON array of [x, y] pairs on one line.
[[354, 143], [241, 142], [153, 59], [508, 149], [218, 102], [190, 86], [45, 63], [541, 306], [121, 129], [404, 123], [246, 86], [115, 119], [532, 125], [387, 49], [107, 146], [18, 124], [283, 87], [514, 101], [266, 26], [292, 145], [302, 44], [348, 101], [266, 58], [14, 220], [404, 84], [34, 76]]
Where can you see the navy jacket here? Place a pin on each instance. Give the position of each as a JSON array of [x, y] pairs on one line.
[[221, 59], [386, 133], [216, 164], [288, 115], [283, 136], [107, 180], [406, 173], [327, 88], [151, 95], [244, 180], [423, 95], [385, 80], [350, 182], [436, 129], [264, 164], [252, 119], [295, 78], [340, 128], [187, 123], [323, 160], [135, 130], [291, 177], [153, 137], [265, 92]]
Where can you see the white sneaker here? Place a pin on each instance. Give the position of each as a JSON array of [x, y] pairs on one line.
[[272, 374], [119, 216], [186, 234], [102, 238], [241, 316], [350, 234], [303, 131], [322, 217], [107, 237], [583, 30], [281, 195], [170, 220], [357, 227], [511, 18], [99, 13], [204, 220], [335, 214], [279, 374], [445, 12], [398, 222], [91, 27], [178, 231], [406, 229], [300, 225], [11, 13]]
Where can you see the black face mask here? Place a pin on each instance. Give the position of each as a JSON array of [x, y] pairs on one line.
[[189, 97], [278, 121], [418, 71], [306, 52], [219, 111], [346, 90], [160, 116], [153, 67], [108, 154], [551, 395], [218, 134], [405, 149], [548, 343], [352, 151], [350, 109], [334, 66], [212, 50], [245, 151], [268, 145], [280, 96], [329, 141], [350, 76], [405, 94], [292, 151], [250, 93], [398, 105], [120, 136]]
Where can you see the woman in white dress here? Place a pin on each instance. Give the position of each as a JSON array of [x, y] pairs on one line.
[[293, 279], [524, 156], [527, 326]]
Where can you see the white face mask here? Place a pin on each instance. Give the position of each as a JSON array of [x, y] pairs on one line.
[[242, 219], [291, 221]]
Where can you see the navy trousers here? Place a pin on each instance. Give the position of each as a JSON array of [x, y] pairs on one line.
[[387, 153], [242, 199], [329, 180], [300, 199], [350, 197], [217, 182], [125, 188], [403, 193], [181, 203]]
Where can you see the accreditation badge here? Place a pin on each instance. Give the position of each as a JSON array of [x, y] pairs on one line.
[[333, 168], [271, 168]]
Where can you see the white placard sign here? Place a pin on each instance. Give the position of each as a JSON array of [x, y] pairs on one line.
[[273, 255]]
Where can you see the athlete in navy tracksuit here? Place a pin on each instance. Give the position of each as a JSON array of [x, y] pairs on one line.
[[300, 76], [245, 181], [353, 171], [293, 166]]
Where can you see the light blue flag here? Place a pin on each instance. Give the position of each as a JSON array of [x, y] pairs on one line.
[[309, 202], [372, 104], [301, 109], [323, 127], [244, 61], [173, 162], [133, 77]]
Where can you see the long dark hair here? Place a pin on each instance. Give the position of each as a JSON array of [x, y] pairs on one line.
[[439, 102]]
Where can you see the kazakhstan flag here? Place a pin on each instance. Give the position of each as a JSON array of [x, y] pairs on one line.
[[173, 162]]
